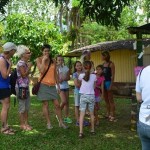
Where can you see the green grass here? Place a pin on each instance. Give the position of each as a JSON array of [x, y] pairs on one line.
[[109, 136]]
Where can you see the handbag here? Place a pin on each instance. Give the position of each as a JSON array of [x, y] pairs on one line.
[[23, 93], [36, 86]]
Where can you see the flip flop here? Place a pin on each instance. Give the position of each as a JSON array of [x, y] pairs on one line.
[[81, 135], [7, 131]]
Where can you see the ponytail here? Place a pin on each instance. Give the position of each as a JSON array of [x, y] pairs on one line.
[[87, 66], [87, 75]]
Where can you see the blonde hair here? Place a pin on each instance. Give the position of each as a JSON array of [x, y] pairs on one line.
[[21, 49]]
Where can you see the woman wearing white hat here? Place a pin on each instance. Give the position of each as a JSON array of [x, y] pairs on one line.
[[9, 50], [22, 85]]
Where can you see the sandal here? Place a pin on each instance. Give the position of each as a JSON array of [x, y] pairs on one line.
[[81, 135], [7, 131], [28, 128], [92, 132], [63, 126]]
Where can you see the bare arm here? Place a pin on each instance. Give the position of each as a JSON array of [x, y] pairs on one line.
[[77, 83], [112, 66], [40, 65], [102, 89], [138, 97], [3, 69]]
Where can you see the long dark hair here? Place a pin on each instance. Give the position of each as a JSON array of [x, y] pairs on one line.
[[100, 66], [87, 66], [48, 47], [75, 70], [106, 55]]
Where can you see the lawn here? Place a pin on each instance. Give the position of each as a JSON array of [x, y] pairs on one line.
[[109, 136]]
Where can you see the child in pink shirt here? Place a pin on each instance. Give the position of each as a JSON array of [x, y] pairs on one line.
[[99, 91]]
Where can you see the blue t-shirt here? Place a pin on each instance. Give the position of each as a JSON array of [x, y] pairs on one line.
[[4, 83], [75, 76]]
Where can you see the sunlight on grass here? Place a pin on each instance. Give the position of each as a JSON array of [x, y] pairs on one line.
[[109, 135], [34, 131]]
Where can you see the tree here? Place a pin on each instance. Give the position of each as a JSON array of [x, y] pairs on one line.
[[104, 12], [22, 29]]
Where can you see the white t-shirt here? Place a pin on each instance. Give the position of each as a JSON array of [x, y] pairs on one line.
[[63, 71], [143, 87], [87, 87]]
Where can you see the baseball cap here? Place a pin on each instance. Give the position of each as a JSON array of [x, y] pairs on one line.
[[9, 46]]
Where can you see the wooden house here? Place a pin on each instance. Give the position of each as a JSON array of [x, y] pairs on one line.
[[122, 54]]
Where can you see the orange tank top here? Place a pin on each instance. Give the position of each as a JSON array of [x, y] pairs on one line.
[[49, 78]]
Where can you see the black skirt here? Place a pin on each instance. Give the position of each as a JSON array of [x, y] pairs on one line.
[[4, 93]]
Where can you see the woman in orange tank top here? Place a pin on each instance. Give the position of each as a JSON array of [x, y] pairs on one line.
[[47, 90]]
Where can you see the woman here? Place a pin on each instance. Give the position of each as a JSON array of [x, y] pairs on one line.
[[86, 56], [9, 50], [47, 90], [22, 85], [109, 74]]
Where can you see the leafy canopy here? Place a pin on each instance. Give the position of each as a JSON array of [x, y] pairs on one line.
[[22, 29]]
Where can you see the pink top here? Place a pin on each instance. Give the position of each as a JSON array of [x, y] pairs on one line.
[[98, 83]]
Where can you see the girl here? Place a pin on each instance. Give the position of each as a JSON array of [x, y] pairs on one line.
[[99, 91], [109, 74], [47, 90], [77, 72], [23, 70], [87, 95], [64, 76]]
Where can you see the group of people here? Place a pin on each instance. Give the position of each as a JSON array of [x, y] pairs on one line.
[[91, 85]]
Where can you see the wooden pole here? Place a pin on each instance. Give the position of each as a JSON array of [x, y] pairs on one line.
[[139, 48]]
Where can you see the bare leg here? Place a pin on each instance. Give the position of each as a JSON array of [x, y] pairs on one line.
[[82, 114], [107, 102], [46, 111], [111, 103], [4, 111], [66, 107], [92, 121], [77, 113], [63, 99], [58, 113]]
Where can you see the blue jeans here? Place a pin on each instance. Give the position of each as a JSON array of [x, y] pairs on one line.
[[144, 133]]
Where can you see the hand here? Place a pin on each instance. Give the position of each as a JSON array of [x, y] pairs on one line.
[[58, 89], [60, 80], [110, 88], [45, 58], [10, 63]]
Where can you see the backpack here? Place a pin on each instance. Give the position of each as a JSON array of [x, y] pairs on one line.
[[13, 79]]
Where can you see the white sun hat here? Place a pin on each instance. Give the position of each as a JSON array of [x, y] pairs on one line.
[[9, 46]]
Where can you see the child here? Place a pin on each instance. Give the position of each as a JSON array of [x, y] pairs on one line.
[[99, 91], [87, 95], [64, 76], [77, 72]]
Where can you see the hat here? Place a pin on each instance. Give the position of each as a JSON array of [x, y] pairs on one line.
[[9, 46]]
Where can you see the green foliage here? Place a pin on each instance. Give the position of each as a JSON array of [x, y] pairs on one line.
[[2, 4], [109, 135], [22, 29]]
